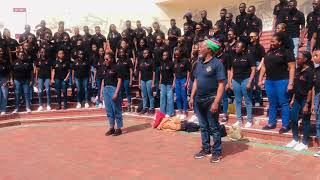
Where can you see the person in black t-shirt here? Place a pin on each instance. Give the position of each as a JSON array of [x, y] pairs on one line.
[[111, 85], [242, 70], [313, 21], [189, 22], [43, 30], [114, 38], [205, 23], [80, 76], [157, 31], [98, 38], [173, 34], [217, 33], [66, 45], [59, 77], [199, 34], [12, 44], [188, 39], [4, 80], [99, 66], [254, 24], [182, 74], [301, 101], [24, 36], [75, 37], [241, 20], [279, 11], [257, 51], [147, 76], [22, 71], [43, 77], [222, 21], [231, 42], [140, 33], [193, 64], [143, 45], [58, 36], [125, 67], [130, 34], [279, 67], [229, 24], [282, 28], [151, 40], [130, 53], [87, 38], [167, 79], [49, 46]]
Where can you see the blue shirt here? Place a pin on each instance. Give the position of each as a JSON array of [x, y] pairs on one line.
[[207, 75]]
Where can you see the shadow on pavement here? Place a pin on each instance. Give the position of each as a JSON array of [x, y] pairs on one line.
[[135, 128]]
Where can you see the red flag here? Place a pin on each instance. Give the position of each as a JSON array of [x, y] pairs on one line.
[[19, 9]]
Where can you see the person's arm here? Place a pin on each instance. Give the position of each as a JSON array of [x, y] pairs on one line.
[[313, 41], [292, 69], [303, 30], [312, 100], [134, 57], [220, 91], [230, 79], [153, 78], [73, 80], [262, 73], [251, 78], [37, 73], [101, 92], [308, 103], [131, 77], [193, 93], [116, 93], [188, 80], [139, 80], [53, 72], [174, 81]]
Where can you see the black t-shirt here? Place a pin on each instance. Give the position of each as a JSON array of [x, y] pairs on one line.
[[254, 24], [61, 69], [276, 63], [193, 64], [313, 22], [100, 68], [280, 11], [124, 66], [22, 70], [111, 75], [222, 23], [74, 40], [50, 49], [114, 40], [230, 26], [173, 41], [256, 51], [3, 44], [192, 25], [206, 25], [42, 31], [294, 20], [241, 21], [181, 67], [151, 40], [24, 36], [158, 52], [199, 37], [66, 47], [241, 64], [188, 41], [166, 71], [87, 41], [159, 33], [4, 68], [146, 68], [224, 58], [58, 37], [140, 34], [303, 82], [99, 39], [44, 68], [81, 68], [131, 35], [316, 80]]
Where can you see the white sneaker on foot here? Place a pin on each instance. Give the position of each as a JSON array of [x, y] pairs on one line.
[[300, 147], [78, 106], [183, 117], [28, 110], [248, 125], [100, 105], [86, 105], [48, 108], [317, 154], [3, 113], [292, 144], [40, 108], [238, 123], [257, 104], [15, 111], [178, 116], [167, 116]]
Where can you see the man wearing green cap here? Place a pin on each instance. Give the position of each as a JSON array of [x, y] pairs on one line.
[[208, 88]]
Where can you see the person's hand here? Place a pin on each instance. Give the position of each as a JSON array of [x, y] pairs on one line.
[[227, 86], [130, 84], [152, 86], [115, 97], [248, 87], [214, 107], [301, 43], [185, 86], [173, 85], [230, 86], [139, 86], [290, 87], [191, 103], [101, 97], [306, 109], [260, 84], [312, 108], [291, 103], [52, 81]]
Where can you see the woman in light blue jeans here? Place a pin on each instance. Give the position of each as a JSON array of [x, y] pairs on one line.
[[243, 68], [4, 79]]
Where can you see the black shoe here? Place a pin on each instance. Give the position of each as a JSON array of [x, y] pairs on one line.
[[216, 157], [143, 111], [269, 127], [65, 107], [151, 112], [117, 132], [110, 132], [284, 130], [203, 153], [59, 107]]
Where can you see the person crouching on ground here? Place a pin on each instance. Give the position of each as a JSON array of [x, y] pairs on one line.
[[208, 72], [111, 85]]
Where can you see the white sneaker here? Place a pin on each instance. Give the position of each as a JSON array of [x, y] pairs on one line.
[[78, 106], [103, 105], [238, 123], [86, 105], [40, 108], [28, 110], [48, 108], [15, 111], [257, 104], [3, 113], [167, 116], [317, 154], [300, 147], [178, 116], [248, 125], [100, 105], [292, 144], [183, 117]]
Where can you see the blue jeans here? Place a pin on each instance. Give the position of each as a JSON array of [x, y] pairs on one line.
[[126, 89], [258, 92], [296, 42], [166, 100], [146, 89], [240, 91], [99, 81], [209, 124], [22, 86], [113, 108], [61, 86], [225, 103], [308, 46], [157, 80], [297, 107], [44, 83], [277, 94], [317, 110], [181, 94], [3, 95], [82, 89]]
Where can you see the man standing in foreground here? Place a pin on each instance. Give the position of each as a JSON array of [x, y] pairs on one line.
[[207, 91]]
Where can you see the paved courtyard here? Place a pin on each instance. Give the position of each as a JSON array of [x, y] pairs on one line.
[[81, 151]]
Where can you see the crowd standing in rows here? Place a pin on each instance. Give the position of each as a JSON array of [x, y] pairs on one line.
[[198, 69]]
